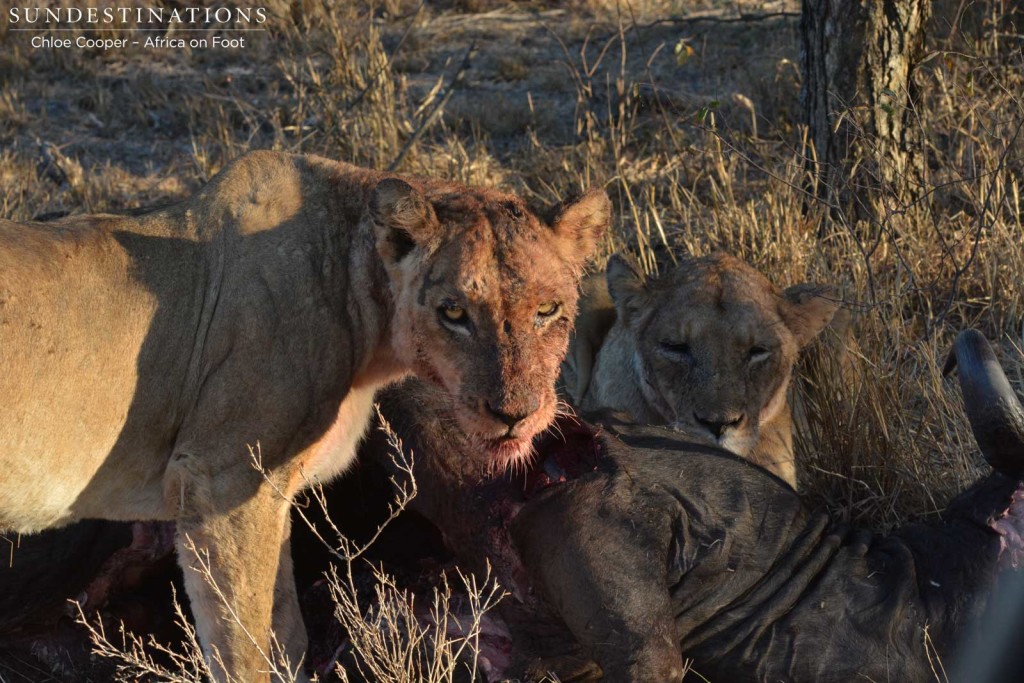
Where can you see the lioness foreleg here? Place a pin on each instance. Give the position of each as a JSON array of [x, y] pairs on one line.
[[230, 559], [287, 620]]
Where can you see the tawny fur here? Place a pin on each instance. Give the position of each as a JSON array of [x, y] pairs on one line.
[[711, 341], [143, 356]]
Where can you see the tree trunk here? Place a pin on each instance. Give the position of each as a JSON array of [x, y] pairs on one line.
[[858, 96]]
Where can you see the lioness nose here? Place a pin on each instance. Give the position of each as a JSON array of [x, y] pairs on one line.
[[718, 424], [509, 417]]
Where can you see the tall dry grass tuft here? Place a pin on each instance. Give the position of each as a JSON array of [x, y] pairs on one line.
[[350, 103]]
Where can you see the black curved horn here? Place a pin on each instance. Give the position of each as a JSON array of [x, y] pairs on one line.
[[992, 408]]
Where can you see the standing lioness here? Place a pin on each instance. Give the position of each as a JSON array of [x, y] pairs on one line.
[[141, 357]]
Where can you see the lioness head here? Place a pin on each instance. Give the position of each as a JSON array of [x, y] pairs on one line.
[[714, 343], [484, 298]]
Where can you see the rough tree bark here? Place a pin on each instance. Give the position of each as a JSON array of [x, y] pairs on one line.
[[858, 94]]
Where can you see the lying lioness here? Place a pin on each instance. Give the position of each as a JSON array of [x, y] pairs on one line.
[[141, 357], [651, 550], [708, 348]]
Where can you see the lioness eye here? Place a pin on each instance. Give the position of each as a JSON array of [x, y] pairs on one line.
[[453, 313], [758, 354], [549, 309], [678, 349]]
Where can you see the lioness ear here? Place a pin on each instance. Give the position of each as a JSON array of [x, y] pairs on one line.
[[403, 219], [583, 221], [627, 285], [807, 309]]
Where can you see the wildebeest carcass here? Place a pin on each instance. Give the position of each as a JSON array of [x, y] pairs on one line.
[[652, 550]]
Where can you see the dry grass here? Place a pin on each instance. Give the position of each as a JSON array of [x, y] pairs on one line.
[[693, 126]]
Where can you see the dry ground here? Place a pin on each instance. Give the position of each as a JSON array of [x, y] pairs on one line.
[[686, 111]]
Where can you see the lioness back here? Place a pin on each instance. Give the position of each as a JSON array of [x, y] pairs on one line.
[[75, 314], [708, 347], [110, 324]]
